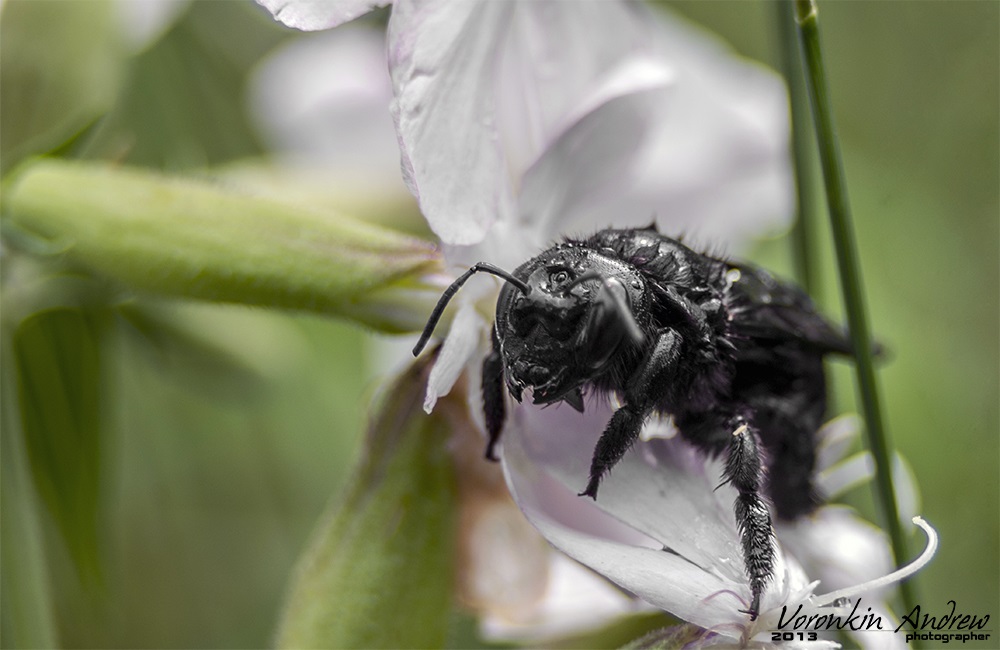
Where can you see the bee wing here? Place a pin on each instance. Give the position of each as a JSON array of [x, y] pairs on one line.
[[765, 308]]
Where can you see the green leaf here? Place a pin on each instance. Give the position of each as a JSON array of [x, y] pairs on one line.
[[183, 103], [379, 572], [182, 237], [27, 619], [61, 64], [57, 358], [195, 354]]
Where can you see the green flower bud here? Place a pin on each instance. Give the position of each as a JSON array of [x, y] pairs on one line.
[[379, 570], [187, 238]]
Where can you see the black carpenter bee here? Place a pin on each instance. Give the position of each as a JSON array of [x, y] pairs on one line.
[[734, 355]]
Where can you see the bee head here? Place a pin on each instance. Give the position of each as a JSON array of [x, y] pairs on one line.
[[561, 318], [562, 332]]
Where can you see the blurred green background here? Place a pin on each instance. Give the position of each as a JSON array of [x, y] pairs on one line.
[[225, 430]]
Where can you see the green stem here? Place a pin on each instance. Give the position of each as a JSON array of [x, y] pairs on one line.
[[850, 274], [803, 230]]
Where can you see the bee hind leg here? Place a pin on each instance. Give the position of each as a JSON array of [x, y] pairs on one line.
[[744, 472]]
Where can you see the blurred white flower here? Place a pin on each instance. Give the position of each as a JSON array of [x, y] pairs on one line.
[[144, 21], [836, 474], [575, 601], [321, 103]]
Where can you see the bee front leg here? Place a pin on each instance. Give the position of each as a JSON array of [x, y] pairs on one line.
[[621, 432], [494, 409], [623, 429]]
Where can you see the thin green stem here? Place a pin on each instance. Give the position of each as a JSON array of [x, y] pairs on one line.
[[802, 234], [849, 268]]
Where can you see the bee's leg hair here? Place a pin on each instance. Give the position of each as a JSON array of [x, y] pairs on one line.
[[640, 398], [744, 472]]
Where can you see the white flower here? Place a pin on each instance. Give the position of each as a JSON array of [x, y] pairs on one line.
[[662, 529]]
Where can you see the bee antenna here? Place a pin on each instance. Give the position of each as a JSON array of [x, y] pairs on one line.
[[453, 289]]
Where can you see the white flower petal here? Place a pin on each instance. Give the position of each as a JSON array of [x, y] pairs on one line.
[[835, 481], [459, 347], [313, 15], [708, 159], [552, 63], [581, 178], [443, 56], [664, 489], [717, 169], [489, 103], [836, 546], [660, 495], [860, 468], [576, 601], [834, 438], [509, 245], [662, 579]]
